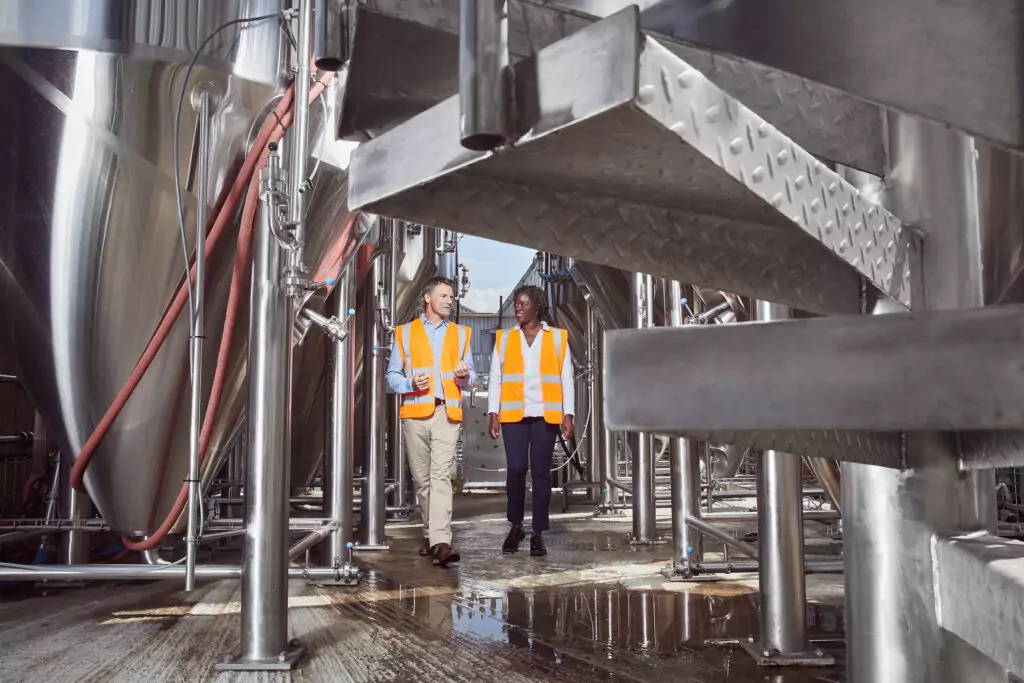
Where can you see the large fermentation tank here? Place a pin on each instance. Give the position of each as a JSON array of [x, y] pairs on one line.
[[89, 242]]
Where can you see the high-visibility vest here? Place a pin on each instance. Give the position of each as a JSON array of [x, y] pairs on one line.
[[513, 386], [418, 357]]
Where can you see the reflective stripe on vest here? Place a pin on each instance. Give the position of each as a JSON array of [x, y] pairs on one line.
[[418, 357], [513, 388]]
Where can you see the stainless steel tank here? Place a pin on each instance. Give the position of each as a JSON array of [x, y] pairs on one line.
[[89, 243]]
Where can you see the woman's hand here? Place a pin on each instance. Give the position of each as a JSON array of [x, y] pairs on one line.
[[495, 426], [568, 428]]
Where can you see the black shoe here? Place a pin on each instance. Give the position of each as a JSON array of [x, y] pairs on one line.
[[514, 538], [537, 548]]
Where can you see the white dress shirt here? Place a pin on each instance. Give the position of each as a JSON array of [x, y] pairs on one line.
[[534, 396]]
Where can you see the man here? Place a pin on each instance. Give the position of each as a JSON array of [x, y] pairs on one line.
[[430, 364]]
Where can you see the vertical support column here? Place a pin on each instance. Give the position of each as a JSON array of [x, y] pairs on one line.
[[484, 86], [264, 622], [371, 526], [687, 545], [780, 533], [74, 504], [340, 442], [596, 465], [644, 520], [395, 438], [891, 516]]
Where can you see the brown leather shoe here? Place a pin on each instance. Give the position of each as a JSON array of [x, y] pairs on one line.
[[444, 555], [425, 548]]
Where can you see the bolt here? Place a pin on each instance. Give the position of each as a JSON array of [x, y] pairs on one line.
[[766, 653], [750, 639], [282, 656], [819, 653]]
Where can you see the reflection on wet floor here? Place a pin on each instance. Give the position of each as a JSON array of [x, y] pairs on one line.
[[616, 634]]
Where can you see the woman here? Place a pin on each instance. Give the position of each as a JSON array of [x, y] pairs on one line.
[[531, 397]]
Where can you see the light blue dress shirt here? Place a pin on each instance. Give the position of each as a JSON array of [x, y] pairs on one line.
[[400, 384]]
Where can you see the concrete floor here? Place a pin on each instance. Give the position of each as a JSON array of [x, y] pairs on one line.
[[594, 609]]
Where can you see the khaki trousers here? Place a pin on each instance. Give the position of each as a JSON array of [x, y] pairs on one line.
[[430, 449]]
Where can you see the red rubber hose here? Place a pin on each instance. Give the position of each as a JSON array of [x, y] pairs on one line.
[[173, 312], [234, 297]]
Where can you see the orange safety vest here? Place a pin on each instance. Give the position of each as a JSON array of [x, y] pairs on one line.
[[513, 386], [418, 357]]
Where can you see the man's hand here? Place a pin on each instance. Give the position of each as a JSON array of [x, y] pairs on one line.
[[421, 381], [495, 426], [568, 428], [461, 369]]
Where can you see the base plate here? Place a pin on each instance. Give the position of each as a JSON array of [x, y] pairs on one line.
[[765, 657], [285, 661]]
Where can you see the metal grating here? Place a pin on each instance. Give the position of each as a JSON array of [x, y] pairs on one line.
[[724, 199]]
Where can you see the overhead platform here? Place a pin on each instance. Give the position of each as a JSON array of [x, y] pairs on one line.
[[628, 156], [954, 62], [387, 85]]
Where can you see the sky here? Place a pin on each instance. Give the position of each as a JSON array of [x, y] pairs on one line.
[[494, 269]]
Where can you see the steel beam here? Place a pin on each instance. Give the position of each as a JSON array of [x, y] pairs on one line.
[[934, 370], [979, 594]]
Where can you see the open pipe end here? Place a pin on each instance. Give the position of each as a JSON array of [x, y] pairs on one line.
[[483, 142]]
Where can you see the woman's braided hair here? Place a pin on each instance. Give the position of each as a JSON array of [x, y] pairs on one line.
[[538, 297]]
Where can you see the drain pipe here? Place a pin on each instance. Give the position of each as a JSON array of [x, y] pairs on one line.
[[329, 40], [338, 448], [484, 83], [201, 96]]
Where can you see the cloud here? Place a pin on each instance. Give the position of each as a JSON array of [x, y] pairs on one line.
[[485, 299]]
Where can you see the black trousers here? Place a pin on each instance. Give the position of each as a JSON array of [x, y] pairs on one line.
[[529, 444]]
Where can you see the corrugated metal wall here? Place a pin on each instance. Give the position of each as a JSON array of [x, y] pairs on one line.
[[483, 326]]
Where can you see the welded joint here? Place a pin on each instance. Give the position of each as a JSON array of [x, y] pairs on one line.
[[979, 594]]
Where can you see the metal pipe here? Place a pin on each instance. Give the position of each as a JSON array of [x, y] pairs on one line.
[[264, 623], [395, 437], [687, 547], [827, 473], [329, 38], [311, 539], [221, 535], [810, 567], [722, 536], [340, 436], [484, 86], [152, 558], [371, 527], [142, 572], [74, 505], [780, 531], [201, 103], [595, 430], [644, 519], [298, 138]]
